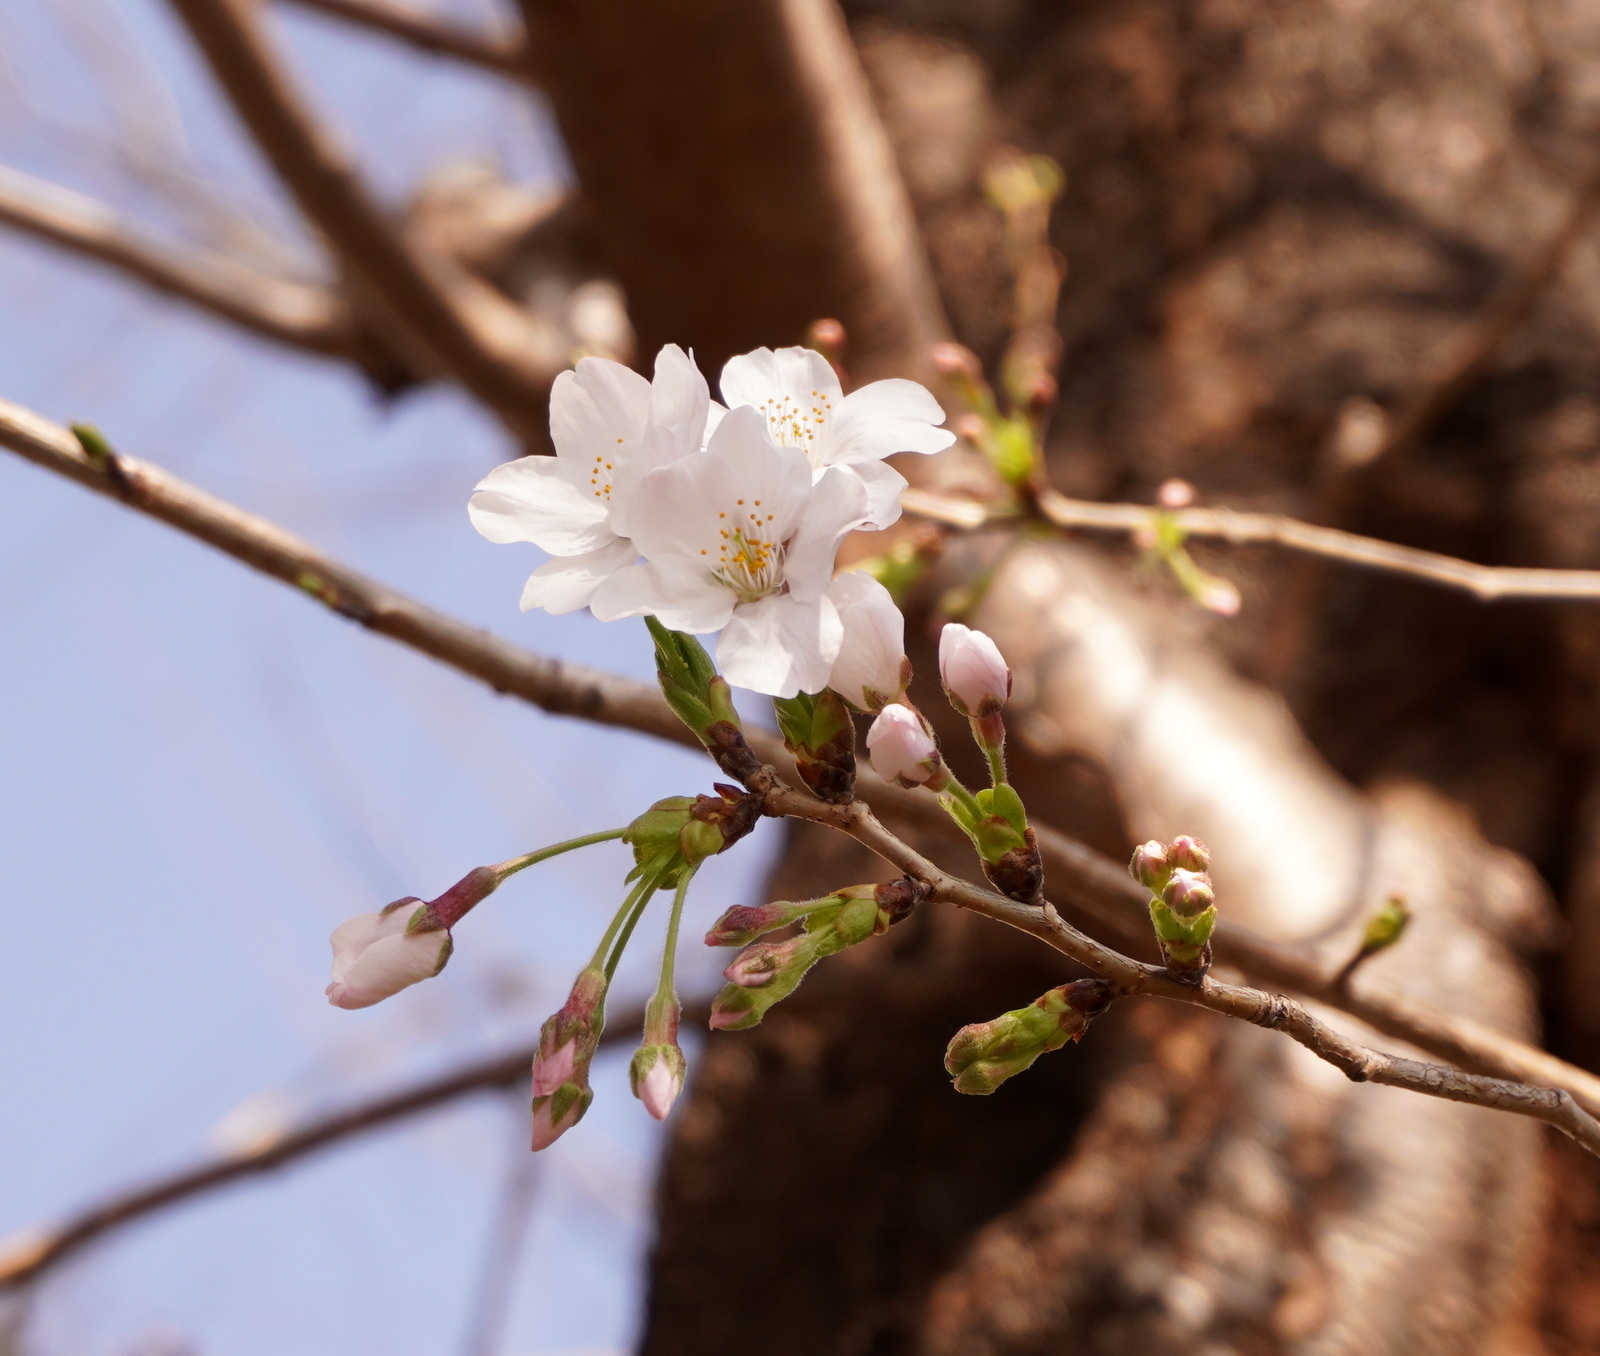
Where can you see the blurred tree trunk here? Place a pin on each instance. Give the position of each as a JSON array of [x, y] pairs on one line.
[[1281, 217]]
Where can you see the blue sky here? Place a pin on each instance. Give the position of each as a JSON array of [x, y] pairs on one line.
[[202, 774]]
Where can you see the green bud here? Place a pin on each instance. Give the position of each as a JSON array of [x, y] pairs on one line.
[[818, 731], [982, 1056], [1385, 927]]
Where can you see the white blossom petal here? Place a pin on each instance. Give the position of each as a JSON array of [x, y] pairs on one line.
[[871, 669], [885, 417], [740, 483], [685, 598], [568, 582], [780, 645], [884, 487], [596, 407], [680, 403], [837, 507], [537, 499], [796, 391]]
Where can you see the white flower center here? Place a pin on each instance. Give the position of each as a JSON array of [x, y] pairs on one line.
[[748, 554], [796, 423], [600, 476]]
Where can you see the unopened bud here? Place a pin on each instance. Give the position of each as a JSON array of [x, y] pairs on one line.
[[701, 698], [656, 1076], [569, 1037], [768, 972], [902, 749], [1189, 853], [818, 731], [555, 1114], [982, 1056], [1386, 927], [1150, 866], [1175, 494], [871, 669], [1188, 893], [376, 955], [956, 360], [974, 674]]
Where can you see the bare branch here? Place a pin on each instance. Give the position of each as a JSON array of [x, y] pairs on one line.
[[1488, 583], [465, 326], [38, 1250], [1101, 887], [296, 313], [428, 34], [1555, 1106]]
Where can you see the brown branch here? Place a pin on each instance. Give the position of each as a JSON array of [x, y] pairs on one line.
[[38, 1250], [1487, 583], [1099, 885], [462, 324], [429, 34], [301, 314], [1555, 1106]]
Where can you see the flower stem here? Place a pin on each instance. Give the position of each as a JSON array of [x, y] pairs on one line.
[[996, 754], [957, 792], [512, 865], [669, 959], [633, 922], [643, 888]]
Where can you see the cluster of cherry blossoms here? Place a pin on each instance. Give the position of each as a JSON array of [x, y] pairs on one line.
[[661, 502], [701, 517]]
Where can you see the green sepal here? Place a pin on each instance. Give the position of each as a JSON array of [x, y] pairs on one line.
[[1183, 939]]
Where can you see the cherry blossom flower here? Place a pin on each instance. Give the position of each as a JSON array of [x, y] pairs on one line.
[[798, 393], [741, 538], [375, 955], [610, 427], [872, 669]]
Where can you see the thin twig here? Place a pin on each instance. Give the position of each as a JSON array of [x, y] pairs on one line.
[[466, 327], [429, 34], [1555, 1106], [1487, 583], [37, 1250], [297, 313], [1100, 886]]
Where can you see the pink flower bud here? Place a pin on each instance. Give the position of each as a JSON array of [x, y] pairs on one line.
[[554, 1115], [1188, 893], [974, 674], [1175, 494], [901, 748], [1150, 865], [956, 360], [872, 669], [551, 1071], [1189, 853], [377, 954], [657, 1077]]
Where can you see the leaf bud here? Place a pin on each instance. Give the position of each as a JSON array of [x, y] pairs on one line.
[[818, 731], [982, 1056]]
